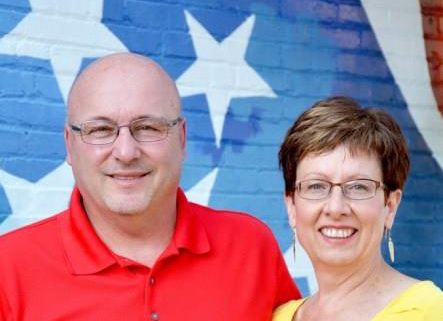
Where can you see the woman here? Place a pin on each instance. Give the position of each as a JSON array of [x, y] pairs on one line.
[[344, 169]]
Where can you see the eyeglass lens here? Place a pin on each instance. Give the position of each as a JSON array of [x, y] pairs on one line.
[[355, 189], [143, 130]]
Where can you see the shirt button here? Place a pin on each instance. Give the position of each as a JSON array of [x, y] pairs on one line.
[[155, 316], [151, 281]]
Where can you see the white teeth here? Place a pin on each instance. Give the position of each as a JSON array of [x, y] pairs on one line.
[[337, 232]]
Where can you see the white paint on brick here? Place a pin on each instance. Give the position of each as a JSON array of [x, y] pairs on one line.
[[201, 192], [63, 32], [216, 71], [31, 202], [415, 86]]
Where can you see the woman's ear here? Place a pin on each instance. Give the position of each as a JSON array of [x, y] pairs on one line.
[[392, 204], [290, 208]]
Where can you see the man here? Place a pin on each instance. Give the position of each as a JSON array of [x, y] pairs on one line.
[[130, 246]]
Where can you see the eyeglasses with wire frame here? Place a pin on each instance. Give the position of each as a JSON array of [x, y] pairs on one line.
[[146, 129], [358, 189]]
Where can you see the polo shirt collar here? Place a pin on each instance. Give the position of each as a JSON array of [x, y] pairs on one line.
[[87, 254], [85, 251], [189, 233]]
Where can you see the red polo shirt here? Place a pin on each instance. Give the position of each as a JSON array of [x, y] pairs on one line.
[[218, 266]]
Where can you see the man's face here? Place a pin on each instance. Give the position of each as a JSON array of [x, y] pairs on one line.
[[127, 176]]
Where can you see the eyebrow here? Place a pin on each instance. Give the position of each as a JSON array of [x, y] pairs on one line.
[[105, 118], [100, 118], [321, 176]]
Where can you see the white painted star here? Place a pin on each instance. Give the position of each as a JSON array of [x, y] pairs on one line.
[[63, 32], [33, 201], [221, 71], [201, 192]]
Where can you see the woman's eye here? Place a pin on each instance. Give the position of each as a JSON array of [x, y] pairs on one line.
[[317, 186], [359, 187]]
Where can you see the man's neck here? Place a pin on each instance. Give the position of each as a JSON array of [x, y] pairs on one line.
[[140, 237]]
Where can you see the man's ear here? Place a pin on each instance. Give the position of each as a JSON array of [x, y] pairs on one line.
[[392, 204], [290, 208], [183, 135], [67, 134]]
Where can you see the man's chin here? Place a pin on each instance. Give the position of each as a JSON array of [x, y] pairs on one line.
[[128, 205]]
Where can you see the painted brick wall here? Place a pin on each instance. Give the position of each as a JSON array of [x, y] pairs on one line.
[[245, 70], [432, 13]]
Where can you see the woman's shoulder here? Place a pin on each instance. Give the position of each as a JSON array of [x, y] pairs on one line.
[[430, 299], [421, 301], [421, 293], [286, 311]]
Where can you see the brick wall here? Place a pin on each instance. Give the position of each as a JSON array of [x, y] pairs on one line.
[[432, 12], [245, 70]]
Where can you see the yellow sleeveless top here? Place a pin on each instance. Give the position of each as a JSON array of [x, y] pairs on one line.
[[423, 301]]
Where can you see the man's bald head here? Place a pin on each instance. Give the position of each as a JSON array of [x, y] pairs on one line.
[[127, 96], [121, 70]]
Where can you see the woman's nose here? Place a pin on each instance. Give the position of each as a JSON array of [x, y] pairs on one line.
[[337, 204]]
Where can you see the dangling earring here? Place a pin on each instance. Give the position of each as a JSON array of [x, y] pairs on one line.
[[391, 247], [390, 244], [294, 244]]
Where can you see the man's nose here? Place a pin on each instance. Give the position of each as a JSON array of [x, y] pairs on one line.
[[125, 148]]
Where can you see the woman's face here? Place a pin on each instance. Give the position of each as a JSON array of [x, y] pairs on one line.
[[337, 230]]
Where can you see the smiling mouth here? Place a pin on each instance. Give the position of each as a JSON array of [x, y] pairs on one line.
[[128, 176], [337, 233]]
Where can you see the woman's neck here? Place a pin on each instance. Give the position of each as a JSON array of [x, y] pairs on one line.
[[343, 280], [352, 292]]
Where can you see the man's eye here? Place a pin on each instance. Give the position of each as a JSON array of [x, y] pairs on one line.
[[98, 130], [148, 128]]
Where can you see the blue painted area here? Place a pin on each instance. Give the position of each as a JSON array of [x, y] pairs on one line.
[[11, 13], [32, 116], [303, 286], [31, 111]]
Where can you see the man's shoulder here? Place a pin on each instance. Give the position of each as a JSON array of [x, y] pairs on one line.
[[230, 219], [34, 232]]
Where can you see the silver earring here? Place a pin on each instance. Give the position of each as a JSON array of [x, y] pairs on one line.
[[294, 244], [390, 244], [391, 247]]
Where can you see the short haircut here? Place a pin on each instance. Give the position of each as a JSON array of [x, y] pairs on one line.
[[337, 121]]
